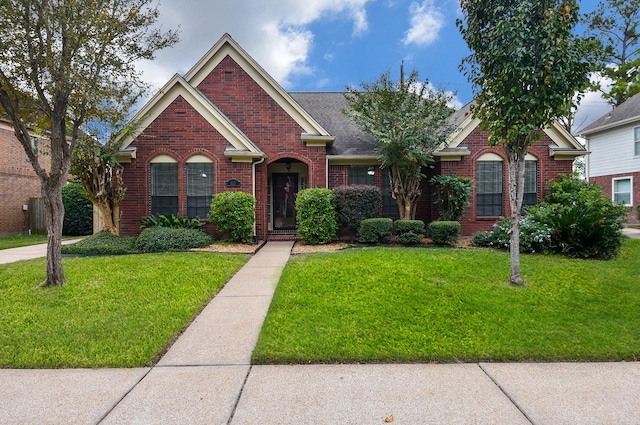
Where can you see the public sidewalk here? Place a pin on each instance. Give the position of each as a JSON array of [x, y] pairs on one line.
[[206, 378]]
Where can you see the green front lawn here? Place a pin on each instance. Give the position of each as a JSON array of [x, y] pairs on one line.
[[113, 312], [450, 305], [7, 242]]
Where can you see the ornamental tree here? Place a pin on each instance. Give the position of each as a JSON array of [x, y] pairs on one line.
[[525, 63], [64, 63], [408, 120]]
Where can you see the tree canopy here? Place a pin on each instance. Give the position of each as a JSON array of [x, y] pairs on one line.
[[64, 63], [408, 120], [525, 63], [615, 23]]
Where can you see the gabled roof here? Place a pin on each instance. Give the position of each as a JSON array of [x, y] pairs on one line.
[[465, 122], [241, 149], [627, 113], [227, 46]]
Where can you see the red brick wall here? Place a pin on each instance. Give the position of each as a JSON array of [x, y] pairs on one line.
[[548, 169], [18, 183], [181, 132], [607, 188]]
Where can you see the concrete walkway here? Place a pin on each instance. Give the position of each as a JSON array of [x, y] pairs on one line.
[[12, 255], [206, 378]]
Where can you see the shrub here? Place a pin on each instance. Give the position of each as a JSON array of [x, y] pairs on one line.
[[233, 213], [375, 230], [444, 232], [161, 239], [316, 216], [584, 223], [171, 220], [453, 194], [409, 232], [78, 211], [102, 243], [574, 219], [535, 233], [357, 203]]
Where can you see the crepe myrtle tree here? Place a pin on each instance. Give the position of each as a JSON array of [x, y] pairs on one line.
[[64, 63], [525, 63], [408, 120]]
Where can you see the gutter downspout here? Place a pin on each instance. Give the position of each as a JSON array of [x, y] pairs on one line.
[[253, 189]]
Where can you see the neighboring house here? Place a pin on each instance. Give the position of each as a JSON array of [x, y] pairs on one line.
[[614, 162], [18, 183], [227, 125]]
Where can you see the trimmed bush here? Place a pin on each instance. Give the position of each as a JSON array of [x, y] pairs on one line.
[[574, 219], [316, 216], [233, 213], [102, 243], [375, 230], [161, 239], [78, 211], [444, 232], [356, 203], [409, 232], [453, 194], [171, 220]]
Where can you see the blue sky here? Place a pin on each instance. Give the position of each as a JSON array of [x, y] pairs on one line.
[[324, 45]]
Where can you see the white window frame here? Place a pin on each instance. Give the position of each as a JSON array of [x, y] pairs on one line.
[[613, 189], [636, 141]]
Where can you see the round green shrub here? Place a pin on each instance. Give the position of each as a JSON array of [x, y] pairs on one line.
[[161, 239], [233, 213], [78, 211], [409, 232], [375, 230], [444, 232], [356, 203], [316, 216]]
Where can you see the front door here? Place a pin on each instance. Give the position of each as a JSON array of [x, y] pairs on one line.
[[285, 190]]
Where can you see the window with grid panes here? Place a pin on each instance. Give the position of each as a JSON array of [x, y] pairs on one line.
[[530, 184], [622, 191], [199, 189], [489, 185], [164, 188], [362, 174]]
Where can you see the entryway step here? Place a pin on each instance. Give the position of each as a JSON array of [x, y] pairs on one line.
[[283, 235]]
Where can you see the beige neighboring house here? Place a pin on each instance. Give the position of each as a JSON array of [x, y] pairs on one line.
[[614, 163]]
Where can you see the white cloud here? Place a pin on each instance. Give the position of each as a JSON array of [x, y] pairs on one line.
[[274, 32], [426, 23]]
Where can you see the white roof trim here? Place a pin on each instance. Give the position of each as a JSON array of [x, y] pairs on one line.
[[227, 46], [178, 87], [605, 127]]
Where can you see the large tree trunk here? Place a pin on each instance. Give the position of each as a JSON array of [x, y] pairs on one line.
[[107, 214], [516, 194], [406, 191], [54, 208]]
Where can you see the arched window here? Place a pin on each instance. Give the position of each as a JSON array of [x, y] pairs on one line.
[[489, 185], [164, 185], [530, 181], [199, 186]]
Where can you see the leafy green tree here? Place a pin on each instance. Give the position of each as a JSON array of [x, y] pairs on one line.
[[409, 121], [615, 23], [64, 63], [525, 63]]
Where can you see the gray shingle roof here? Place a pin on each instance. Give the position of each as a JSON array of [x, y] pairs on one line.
[[326, 108], [628, 111]]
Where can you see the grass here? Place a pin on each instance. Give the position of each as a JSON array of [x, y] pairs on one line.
[[113, 311], [7, 242], [450, 305]]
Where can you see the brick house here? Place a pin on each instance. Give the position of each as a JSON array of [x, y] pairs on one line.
[[18, 182], [614, 162], [227, 125]]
